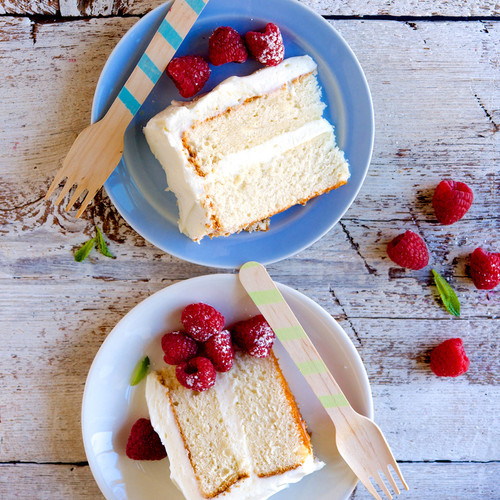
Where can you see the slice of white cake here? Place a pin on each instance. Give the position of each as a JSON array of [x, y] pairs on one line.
[[242, 439], [252, 147]]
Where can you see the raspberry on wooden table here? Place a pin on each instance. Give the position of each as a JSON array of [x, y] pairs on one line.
[[485, 269], [144, 443], [448, 359], [178, 347], [254, 336], [197, 374], [189, 74], [226, 45], [266, 47], [219, 350], [451, 201], [201, 321], [408, 250]]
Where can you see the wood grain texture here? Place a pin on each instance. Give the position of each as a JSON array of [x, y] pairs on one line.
[[436, 91], [428, 480], [76, 8]]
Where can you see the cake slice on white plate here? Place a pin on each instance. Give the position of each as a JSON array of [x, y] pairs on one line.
[[243, 438], [252, 147]]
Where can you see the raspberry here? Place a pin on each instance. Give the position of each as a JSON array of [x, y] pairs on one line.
[[408, 250], [485, 269], [266, 47], [189, 74], [197, 374], [226, 45], [143, 442], [451, 201], [178, 347], [201, 321], [219, 350], [254, 336], [448, 359]]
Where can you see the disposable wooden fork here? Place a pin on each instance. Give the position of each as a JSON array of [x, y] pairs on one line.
[[97, 150], [359, 440]]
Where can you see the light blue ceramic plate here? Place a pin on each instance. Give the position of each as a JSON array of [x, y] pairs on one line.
[[137, 186]]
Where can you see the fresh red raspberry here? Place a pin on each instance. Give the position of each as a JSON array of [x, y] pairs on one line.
[[219, 350], [254, 335], [143, 442], [197, 374], [226, 45], [408, 250], [266, 47], [448, 359], [189, 74], [451, 201], [485, 269], [201, 321], [178, 347]]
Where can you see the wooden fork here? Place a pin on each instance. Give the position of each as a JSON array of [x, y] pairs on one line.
[[359, 440], [97, 150]]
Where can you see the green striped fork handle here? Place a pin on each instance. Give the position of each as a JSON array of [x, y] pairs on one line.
[[268, 299]]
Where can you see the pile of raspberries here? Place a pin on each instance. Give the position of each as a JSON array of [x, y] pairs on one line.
[[451, 201], [204, 347], [190, 73]]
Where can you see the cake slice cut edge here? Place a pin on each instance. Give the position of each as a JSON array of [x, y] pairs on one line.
[[256, 445], [251, 148]]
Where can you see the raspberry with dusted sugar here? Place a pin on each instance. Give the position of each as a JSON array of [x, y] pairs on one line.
[[219, 350], [226, 45], [448, 359], [178, 347], [266, 47], [485, 269], [144, 443], [201, 321], [451, 201], [197, 374], [189, 74], [254, 335], [408, 250]]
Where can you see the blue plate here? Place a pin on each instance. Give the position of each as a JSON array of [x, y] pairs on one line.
[[137, 186]]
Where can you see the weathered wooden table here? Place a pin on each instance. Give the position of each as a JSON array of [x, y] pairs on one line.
[[434, 73]]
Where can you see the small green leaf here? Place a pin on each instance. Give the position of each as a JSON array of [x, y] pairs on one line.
[[83, 252], [140, 371], [101, 244], [448, 296]]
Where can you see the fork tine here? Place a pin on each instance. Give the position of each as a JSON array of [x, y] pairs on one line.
[[369, 486], [57, 179], [379, 480], [65, 190], [90, 195], [78, 191], [395, 466], [388, 474]]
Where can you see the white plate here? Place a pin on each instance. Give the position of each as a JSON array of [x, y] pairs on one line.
[[111, 406]]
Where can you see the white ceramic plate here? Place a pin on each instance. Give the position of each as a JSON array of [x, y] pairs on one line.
[[111, 406]]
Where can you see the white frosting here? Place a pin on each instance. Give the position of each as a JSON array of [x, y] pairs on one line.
[[181, 471], [164, 134]]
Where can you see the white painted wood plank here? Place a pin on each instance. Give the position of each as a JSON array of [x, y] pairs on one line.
[[460, 8], [425, 132], [427, 480], [53, 338]]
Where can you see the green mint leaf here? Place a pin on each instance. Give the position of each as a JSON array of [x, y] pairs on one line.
[[140, 371], [448, 296], [101, 244], [82, 253]]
